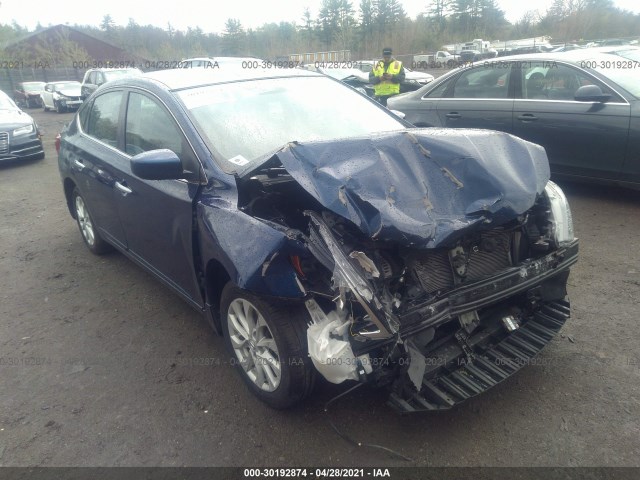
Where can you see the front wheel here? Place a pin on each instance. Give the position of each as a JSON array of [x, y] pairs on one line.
[[59, 108], [268, 343], [91, 238]]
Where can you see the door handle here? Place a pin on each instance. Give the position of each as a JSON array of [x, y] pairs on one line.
[[123, 189], [453, 115], [79, 164], [527, 117]]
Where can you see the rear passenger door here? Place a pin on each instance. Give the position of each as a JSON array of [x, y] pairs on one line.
[[95, 158], [157, 215], [480, 97]]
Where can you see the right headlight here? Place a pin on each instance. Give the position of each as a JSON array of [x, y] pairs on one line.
[[23, 130], [560, 214]]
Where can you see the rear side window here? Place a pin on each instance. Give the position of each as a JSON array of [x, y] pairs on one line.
[[438, 91], [483, 82], [102, 122]]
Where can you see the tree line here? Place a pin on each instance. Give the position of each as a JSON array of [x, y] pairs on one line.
[[364, 29]]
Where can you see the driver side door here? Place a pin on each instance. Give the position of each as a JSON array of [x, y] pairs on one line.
[[157, 215]]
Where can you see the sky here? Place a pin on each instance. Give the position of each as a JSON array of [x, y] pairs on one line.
[[193, 13]]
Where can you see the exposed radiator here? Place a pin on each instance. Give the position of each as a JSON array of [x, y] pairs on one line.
[[488, 255]]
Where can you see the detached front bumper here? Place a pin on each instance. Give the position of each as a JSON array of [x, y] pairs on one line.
[[509, 282], [462, 367], [451, 377]]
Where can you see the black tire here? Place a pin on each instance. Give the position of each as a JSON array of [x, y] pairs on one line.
[[59, 108], [286, 324], [90, 235], [46, 109]]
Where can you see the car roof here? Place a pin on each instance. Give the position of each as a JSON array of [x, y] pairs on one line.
[[573, 56], [112, 69], [179, 79]]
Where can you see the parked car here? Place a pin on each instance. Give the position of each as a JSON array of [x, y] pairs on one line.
[[94, 77], [326, 236], [565, 47], [582, 106], [630, 52], [353, 77], [218, 62], [413, 79], [19, 134], [62, 96], [27, 94], [198, 62]]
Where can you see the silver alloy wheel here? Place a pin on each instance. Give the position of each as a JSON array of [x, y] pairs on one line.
[[84, 220], [254, 345]]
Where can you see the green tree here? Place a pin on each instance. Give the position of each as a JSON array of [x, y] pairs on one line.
[[233, 37]]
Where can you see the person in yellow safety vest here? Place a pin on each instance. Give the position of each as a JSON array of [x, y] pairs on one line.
[[386, 77]]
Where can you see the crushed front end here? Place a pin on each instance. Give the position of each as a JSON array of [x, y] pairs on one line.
[[439, 326], [431, 269]]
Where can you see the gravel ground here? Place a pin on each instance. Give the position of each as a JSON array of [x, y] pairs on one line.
[[101, 365]]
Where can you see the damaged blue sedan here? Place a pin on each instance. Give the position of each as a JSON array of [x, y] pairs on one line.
[[324, 235]]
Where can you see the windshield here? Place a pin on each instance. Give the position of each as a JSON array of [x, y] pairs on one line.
[[113, 74], [342, 73], [244, 121], [621, 72], [629, 54], [33, 87]]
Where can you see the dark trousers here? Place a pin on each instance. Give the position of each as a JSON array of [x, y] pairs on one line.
[[383, 99]]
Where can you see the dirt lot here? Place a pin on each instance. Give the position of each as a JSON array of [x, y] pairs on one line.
[[101, 365]]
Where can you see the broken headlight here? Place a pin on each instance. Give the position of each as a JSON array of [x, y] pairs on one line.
[[559, 214]]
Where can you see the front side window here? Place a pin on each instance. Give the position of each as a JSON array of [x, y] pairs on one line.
[[150, 127], [102, 123], [552, 81]]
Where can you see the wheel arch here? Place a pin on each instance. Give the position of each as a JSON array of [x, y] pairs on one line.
[[69, 185]]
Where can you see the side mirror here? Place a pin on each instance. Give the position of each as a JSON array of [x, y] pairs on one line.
[[160, 164], [591, 93]]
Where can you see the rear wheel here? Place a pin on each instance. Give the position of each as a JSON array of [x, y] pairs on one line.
[[92, 239], [268, 344]]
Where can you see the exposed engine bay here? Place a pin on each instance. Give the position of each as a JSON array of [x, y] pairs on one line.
[[436, 322], [423, 270]]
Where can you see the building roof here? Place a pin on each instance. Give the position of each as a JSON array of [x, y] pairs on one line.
[[97, 49]]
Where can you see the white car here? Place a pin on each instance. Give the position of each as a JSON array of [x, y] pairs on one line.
[[61, 96], [217, 62]]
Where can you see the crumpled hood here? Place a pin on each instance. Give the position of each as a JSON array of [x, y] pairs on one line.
[[73, 91], [421, 187]]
